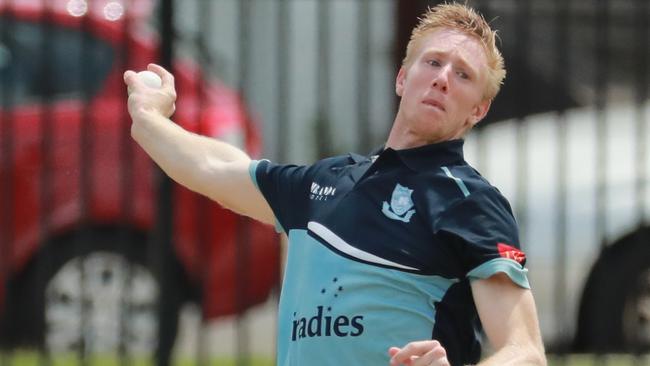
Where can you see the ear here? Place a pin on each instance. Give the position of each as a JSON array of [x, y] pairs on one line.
[[399, 81], [479, 112]]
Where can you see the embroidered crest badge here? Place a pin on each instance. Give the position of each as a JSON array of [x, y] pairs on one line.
[[400, 207]]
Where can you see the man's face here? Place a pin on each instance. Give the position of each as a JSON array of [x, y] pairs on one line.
[[442, 88]]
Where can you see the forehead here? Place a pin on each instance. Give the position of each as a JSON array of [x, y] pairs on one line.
[[453, 42]]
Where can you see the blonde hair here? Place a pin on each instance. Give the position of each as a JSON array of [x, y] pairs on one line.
[[467, 20]]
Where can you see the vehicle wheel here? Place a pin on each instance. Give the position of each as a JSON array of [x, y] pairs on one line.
[[95, 293], [615, 308]]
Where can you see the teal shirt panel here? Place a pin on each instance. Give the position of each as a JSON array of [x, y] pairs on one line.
[[338, 311], [510, 267]]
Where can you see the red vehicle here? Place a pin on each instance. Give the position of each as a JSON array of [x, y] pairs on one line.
[[78, 201]]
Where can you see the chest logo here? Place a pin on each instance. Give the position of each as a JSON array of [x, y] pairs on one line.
[[401, 204], [320, 193]]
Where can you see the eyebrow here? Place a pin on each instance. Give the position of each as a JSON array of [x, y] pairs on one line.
[[459, 59]]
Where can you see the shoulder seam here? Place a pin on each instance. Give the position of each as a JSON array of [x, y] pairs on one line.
[[458, 202], [459, 182]]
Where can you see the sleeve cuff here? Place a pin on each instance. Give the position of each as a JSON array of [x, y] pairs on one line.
[[252, 171], [501, 265]]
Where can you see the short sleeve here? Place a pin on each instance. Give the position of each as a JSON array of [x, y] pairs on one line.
[[285, 189], [483, 232]]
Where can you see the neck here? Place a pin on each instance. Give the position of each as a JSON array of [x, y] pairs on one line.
[[402, 136]]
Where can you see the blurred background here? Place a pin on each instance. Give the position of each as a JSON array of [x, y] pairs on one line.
[[104, 260]]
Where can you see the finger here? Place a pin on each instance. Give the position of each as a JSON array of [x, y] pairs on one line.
[[166, 77], [436, 356], [407, 362], [427, 362], [413, 349], [442, 361], [393, 350], [416, 349]]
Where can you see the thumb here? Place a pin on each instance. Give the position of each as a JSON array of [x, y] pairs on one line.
[[131, 79], [128, 75]]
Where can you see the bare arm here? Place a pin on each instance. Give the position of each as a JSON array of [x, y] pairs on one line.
[[509, 318], [205, 165]]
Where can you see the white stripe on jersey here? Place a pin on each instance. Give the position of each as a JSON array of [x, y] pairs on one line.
[[340, 244]]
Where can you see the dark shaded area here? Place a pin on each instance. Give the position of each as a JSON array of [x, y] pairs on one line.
[[21, 60]]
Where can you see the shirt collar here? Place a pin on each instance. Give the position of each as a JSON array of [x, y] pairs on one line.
[[430, 156], [358, 158]]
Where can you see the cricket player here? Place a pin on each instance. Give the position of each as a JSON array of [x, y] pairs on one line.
[[399, 257]]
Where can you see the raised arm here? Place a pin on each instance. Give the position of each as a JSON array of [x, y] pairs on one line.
[[204, 165]]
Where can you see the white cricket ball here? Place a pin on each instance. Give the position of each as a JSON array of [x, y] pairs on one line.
[[149, 78]]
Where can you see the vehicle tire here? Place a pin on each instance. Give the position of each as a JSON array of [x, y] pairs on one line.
[[615, 307], [96, 292]]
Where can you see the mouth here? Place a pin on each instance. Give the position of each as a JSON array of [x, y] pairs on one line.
[[434, 103]]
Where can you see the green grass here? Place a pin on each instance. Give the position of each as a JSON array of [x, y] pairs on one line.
[[591, 360], [30, 358]]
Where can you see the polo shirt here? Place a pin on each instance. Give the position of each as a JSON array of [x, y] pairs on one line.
[[382, 250]]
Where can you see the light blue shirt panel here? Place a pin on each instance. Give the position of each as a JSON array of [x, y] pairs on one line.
[[396, 307], [510, 267]]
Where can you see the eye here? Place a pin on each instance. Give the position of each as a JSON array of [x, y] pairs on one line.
[[462, 75], [434, 63]]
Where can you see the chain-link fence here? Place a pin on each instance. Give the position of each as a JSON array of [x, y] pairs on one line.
[[101, 255]]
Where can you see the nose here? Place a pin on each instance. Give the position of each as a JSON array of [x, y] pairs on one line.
[[441, 80]]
